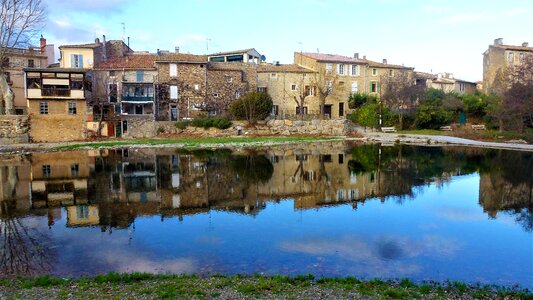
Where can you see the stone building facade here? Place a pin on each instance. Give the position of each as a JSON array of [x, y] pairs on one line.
[[498, 61], [15, 61], [57, 104], [337, 77]]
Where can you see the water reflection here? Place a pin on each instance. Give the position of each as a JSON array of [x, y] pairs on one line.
[[50, 204]]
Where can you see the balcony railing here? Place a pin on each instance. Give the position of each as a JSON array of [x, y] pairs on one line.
[[138, 98], [55, 92]]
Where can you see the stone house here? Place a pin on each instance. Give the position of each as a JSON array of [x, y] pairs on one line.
[[16, 59], [445, 82], [86, 56], [290, 88], [57, 104], [498, 60], [337, 77], [181, 86], [124, 93]]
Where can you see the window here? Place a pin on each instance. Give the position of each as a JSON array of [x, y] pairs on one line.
[[329, 68], [31, 63], [391, 73], [273, 75], [237, 94], [341, 109], [262, 89], [275, 110], [173, 92], [75, 170], [356, 70], [76, 61], [139, 76], [461, 87], [301, 110], [47, 171], [340, 69], [341, 159], [309, 90], [354, 87], [72, 108], [301, 157], [216, 95], [124, 130], [522, 57], [5, 62], [374, 72], [293, 87], [76, 83], [196, 87], [113, 92], [43, 108], [229, 79], [510, 57], [374, 87], [173, 70]]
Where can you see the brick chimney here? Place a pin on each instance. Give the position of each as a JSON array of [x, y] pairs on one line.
[[498, 41], [356, 55], [525, 44], [43, 44], [385, 61]]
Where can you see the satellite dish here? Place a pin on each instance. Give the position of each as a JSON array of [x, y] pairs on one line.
[[89, 61], [263, 58]]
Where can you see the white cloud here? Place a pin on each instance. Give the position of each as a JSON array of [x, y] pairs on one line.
[[466, 18]]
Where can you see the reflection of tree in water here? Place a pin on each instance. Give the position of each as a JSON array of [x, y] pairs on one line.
[[252, 168], [22, 249]]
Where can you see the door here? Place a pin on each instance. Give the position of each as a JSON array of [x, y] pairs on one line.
[[341, 109], [173, 113], [327, 110], [138, 109], [118, 130]]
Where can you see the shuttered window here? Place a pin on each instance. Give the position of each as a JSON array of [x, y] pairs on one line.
[[173, 92]]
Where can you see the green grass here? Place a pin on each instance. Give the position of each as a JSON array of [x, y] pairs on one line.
[[424, 132], [197, 142], [258, 286]]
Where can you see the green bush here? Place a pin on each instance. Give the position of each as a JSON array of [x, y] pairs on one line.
[[432, 117], [205, 122], [357, 100], [183, 124], [252, 107]]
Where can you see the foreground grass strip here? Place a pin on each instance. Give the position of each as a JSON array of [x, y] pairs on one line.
[[143, 285], [195, 142]]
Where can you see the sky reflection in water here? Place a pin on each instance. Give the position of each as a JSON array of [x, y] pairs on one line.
[[421, 213]]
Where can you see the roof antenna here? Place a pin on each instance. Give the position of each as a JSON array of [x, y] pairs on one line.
[[317, 50]]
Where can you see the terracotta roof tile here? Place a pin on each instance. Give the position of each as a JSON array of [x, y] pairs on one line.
[[132, 61], [346, 59], [181, 57], [517, 48], [292, 68], [90, 45]]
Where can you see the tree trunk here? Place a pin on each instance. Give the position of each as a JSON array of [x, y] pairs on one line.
[[7, 95]]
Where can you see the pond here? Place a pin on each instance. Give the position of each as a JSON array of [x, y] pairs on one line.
[[330, 209]]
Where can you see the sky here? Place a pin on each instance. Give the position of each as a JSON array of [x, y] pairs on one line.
[[429, 35]]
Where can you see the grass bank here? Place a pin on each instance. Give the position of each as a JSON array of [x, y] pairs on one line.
[[149, 286], [195, 142], [480, 135]]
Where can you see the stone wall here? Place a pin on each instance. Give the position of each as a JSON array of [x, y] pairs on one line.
[[336, 127], [58, 125], [140, 127], [14, 129]]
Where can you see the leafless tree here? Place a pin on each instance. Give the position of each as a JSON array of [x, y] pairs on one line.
[[20, 22], [400, 93], [325, 83], [104, 90]]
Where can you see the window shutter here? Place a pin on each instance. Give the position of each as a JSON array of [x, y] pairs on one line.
[[72, 58], [338, 68], [140, 75], [80, 62]]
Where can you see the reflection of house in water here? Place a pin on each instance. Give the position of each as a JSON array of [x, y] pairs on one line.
[[82, 215], [497, 194], [14, 184]]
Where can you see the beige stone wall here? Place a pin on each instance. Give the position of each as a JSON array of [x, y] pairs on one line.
[[14, 129], [57, 125], [140, 127], [90, 57]]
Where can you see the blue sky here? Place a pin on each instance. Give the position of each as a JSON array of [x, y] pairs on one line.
[[430, 35]]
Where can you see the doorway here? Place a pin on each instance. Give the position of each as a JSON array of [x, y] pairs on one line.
[[139, 109], [327, 110], [173, 113]]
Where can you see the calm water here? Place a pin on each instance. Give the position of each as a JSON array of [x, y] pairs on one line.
[[336, 209]]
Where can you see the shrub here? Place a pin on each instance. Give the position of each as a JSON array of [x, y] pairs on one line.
[[432, 117], [357, 100], [252, 107], [183, 124], [217, 122]]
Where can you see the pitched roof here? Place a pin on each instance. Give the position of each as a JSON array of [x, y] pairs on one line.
[[181, 57], [233, 52], [131, 61], [346, 59], [516, 48], [291, 68], [88, 46], [424, 75]]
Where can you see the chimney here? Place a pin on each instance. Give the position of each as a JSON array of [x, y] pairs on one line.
[[128, 42], [177, 49], [97, 41], [104, 50], [498, 41], [385, 61], [43, 44], [103, 36], [356, 55], [364, 56], [524, 44]]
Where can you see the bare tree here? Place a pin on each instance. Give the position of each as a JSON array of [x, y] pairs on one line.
[[400, 93], [105, 93], [300, 97], [20, 22], [325, 83]]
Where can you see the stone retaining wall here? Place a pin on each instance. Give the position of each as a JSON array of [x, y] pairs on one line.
[[273, 127], [14, 129]]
